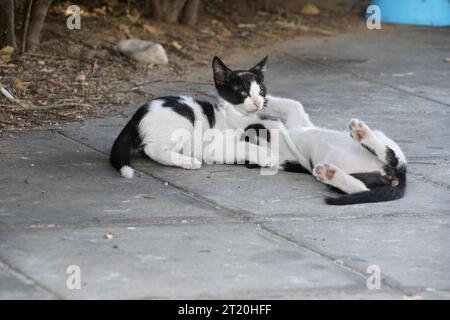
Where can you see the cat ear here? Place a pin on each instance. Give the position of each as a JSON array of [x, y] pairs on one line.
[[260, 67], [220, 71]]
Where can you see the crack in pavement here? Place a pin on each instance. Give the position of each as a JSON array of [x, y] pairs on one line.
[[27, 279]]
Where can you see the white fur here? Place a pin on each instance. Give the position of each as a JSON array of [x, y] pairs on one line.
[[331, 148], [127, 172], [161, 125], [336, 177], [291, 111], [255, 97]]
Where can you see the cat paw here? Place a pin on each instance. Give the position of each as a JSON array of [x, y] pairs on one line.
[[268, 161], [388, 173], [193, 164], [358, 130], [324, 172]]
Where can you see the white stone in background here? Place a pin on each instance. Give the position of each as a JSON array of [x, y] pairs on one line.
[[143, 51]]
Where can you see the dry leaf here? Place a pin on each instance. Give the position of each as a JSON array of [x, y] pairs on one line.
[[310, 10], [176, 45], [9, 65], [19, 84], [286, 24], [6, 53], [207, 31], [246, 25], [100, 11], [447, 60], [134, 16], [150, 29], [225, 32], [109, 236], [80, 77], [125, 30], [8, 50]]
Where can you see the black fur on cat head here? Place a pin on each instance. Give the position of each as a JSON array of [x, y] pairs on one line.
[[234, 86]]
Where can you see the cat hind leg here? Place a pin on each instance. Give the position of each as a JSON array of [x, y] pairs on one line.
[[167, 156], [336, 177], [386, 150]]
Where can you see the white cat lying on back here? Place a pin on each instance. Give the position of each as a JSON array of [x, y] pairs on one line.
[[364, 164]]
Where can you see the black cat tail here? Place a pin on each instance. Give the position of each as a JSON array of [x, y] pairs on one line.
[[127, 141], [381, 194]]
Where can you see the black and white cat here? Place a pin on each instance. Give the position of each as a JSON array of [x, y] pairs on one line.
[[241, 94], [365, 165]]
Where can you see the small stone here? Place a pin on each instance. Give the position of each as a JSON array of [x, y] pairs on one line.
[[310, 10], [143, 51]]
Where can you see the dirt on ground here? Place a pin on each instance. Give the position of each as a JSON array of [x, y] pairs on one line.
[[80, 74]]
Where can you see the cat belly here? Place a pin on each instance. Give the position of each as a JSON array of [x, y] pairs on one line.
[[335, 147]]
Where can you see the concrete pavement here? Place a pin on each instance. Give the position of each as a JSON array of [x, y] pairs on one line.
[[226, 231]]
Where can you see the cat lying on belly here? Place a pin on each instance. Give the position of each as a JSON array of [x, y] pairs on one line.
[[241, 94], [365, 165]]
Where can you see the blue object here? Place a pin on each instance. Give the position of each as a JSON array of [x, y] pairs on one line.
[[415, 12]]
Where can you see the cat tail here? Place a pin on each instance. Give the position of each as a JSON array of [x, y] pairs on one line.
[[381, 194], [127, 141]]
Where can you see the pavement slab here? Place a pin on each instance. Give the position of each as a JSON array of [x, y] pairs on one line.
[[184, 261], [83, 190], [411, 252], [18, 287]]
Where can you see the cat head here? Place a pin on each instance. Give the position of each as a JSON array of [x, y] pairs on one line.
[[244, 89]]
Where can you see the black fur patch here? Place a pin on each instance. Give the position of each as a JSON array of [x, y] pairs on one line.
[[379, 191], [208, 111], [373, 179], [128, 139], [179, 107], [391, 158], [294, 166], [252, 135], [375, 195], [258, 129], [236, 87]]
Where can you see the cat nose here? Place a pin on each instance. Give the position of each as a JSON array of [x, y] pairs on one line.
[[256, 104]]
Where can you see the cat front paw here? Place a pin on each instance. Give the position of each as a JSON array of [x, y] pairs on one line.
[[324, 172], [193, 164], [358, 130], [268, 161]]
